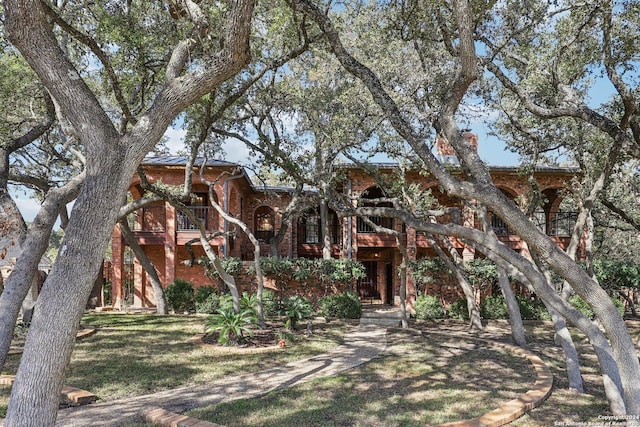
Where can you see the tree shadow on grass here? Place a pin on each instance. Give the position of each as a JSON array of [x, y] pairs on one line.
[[418, 381]]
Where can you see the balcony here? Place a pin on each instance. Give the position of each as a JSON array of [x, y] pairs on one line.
[[203, 213], [150, 224], [363, 227], [560, 224]]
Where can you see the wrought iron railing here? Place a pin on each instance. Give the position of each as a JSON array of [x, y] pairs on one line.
[[200, 212], [561, 223], [363, 227], [499, 226]]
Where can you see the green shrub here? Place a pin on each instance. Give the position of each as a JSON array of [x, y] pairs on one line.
[[231, 326], [202, 293], [326, 273], [346, 305], [528, 308], [426, 270], [585, 308], [295, 308], [619, 305], [494, 307], [270, 303], [458, 309], [428, 307], [582, 306], [249, 302], [210, 305], [541, 311], [179, 295], [231, 265]]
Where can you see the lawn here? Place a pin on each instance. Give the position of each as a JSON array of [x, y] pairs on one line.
[[428, 379], [420, 379], [139, 354]]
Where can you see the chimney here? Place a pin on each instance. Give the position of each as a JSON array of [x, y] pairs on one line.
[[446, 153]]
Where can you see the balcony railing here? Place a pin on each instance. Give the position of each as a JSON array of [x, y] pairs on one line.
[[200, 212], [499, 226], [363, 227], [561, 223], [154, 219]]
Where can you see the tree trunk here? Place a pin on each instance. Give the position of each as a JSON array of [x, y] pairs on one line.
[[481, 189], [562, 335], [35, 245], [48, 346], [326, 235], [515, 318], [161, 301], [403, 283], [226, 278], [111, 159], [629, 301], [475, 321], [563, 338], [256, 252], [30, 300], [528, 273]]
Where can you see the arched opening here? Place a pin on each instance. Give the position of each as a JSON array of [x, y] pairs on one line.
[[558, 214], [199, 206]]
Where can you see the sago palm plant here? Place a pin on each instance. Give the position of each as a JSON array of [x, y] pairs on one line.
[[295, 308], [231, 326]]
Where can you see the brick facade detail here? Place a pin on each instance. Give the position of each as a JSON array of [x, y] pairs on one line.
[[163, 232]]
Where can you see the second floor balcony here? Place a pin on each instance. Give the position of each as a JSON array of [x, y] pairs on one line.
[[153, 219]]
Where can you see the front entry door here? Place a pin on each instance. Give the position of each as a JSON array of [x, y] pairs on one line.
[[368, 286], [388, 299]]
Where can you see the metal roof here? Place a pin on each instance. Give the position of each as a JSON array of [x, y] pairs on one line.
[[182, 161]]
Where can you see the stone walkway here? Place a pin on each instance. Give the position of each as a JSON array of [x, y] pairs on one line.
[[361, 344]]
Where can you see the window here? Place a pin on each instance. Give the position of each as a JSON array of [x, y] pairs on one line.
[[540, 219], [499, 226], [264, 224], [363, 227], [311, 228], [562, 223]]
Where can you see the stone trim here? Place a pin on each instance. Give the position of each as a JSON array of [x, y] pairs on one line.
[[86, 331], [76, 395], [164, 418]]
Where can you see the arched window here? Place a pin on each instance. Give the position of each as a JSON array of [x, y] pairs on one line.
[[264, 224]]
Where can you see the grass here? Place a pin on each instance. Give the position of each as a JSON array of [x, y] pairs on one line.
[[566, 407], [140, 354], [419, 379]]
